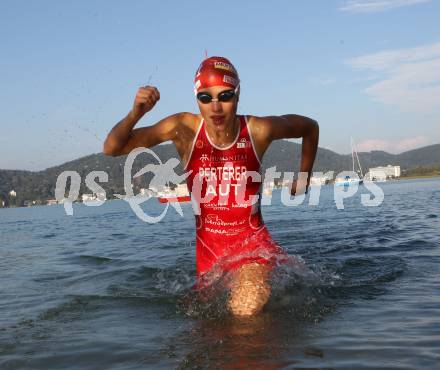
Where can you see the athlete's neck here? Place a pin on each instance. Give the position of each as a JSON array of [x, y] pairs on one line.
[[223, 136]]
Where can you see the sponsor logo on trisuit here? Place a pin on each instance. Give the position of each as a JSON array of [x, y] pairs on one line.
[[228, 158], [213, 219], [243, 143]]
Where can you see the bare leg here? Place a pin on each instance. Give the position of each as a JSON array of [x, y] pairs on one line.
[[250, 289]]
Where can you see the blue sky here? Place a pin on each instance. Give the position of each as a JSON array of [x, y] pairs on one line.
[[363, 68]]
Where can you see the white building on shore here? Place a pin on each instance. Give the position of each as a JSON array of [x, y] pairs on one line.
[[383, 173], [92, 197], [319, 180]]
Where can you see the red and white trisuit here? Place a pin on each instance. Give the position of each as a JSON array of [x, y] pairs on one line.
[[230, 231]]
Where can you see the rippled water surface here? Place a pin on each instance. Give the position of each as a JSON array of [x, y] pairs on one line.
[[103, 290]]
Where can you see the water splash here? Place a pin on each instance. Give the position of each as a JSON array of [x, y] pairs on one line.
[[295, 288], [150, 77]]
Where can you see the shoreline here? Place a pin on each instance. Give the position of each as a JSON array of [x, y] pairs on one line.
[[432, 176], [418, 177]]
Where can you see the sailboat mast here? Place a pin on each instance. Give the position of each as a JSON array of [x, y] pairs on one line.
[[352, 152], [357, 157], [359, 163]]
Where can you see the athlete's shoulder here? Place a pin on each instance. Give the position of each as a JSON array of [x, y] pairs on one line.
[[259, 126], [189, 120]]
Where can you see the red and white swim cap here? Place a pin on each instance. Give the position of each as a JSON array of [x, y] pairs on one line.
[[216, 71]]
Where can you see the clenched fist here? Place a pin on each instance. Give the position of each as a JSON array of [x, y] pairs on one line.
[[146, 99]]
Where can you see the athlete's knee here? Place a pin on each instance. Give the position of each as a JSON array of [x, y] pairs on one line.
[[248, 302], [250, 290]]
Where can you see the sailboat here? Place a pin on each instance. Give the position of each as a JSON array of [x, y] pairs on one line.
[[347, 181]]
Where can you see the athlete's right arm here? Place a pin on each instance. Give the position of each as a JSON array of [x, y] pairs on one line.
[[122, 139]]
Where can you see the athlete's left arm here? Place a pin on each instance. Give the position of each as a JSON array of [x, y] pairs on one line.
[[292, 126]]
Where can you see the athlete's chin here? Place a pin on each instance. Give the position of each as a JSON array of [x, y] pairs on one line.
[[218, 120]]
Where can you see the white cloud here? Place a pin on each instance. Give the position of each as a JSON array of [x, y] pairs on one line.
[[374, 6], [386, 60], [406, 78], [392, 146]]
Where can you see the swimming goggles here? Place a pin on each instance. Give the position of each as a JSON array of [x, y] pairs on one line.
[[224, 96]]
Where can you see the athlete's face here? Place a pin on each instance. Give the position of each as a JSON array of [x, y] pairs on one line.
[[218, 114]]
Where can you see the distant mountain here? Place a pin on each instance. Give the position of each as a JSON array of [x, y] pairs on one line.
[[287, 155], [284, 154]]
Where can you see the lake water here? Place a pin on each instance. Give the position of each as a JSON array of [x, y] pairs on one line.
[[103, 290]]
